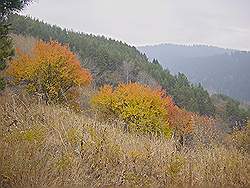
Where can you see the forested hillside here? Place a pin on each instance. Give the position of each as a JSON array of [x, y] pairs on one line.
[[111, 62], [219, 70]]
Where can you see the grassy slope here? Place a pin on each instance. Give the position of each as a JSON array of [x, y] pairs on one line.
[[44, 145]]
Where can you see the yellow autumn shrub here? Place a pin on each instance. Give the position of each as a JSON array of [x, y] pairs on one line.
[[140, 107]]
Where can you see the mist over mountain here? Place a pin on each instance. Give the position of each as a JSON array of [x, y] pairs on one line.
[[219, 70]]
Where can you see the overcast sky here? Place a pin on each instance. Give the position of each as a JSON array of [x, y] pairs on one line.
[[224, 23]]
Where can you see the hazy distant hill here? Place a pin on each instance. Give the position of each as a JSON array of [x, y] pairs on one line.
[[219, 70]]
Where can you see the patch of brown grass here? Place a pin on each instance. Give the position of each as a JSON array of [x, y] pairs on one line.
[[50, 146]]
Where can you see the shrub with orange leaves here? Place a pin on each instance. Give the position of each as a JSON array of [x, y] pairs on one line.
[[140, 107], [180, 120], [187, 125], [51, 70]]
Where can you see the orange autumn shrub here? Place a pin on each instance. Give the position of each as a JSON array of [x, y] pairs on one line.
[[50, 70], [180, 120], [140, 107]]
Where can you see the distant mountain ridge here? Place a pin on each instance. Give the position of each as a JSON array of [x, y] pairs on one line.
[[219, 70], [187, 51]]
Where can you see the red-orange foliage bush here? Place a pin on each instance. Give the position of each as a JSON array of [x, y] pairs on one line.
[[51, 70], [180, 119]]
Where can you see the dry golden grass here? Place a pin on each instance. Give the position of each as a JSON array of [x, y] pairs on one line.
[[51, 146]]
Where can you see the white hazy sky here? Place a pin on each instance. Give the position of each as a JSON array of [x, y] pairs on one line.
[[224, 23]]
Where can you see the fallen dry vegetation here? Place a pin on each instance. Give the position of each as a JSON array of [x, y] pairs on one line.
[[50, 146]]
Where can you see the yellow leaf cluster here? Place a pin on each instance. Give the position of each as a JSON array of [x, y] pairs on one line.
[[140, 107]]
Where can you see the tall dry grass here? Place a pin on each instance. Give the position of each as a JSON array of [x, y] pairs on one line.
[[51, 146]]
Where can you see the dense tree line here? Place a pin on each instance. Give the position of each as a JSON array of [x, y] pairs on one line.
[[219, 70], [192, 97], [231, 111]]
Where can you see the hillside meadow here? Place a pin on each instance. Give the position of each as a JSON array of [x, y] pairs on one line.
[[49, 146], [56, 129]]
